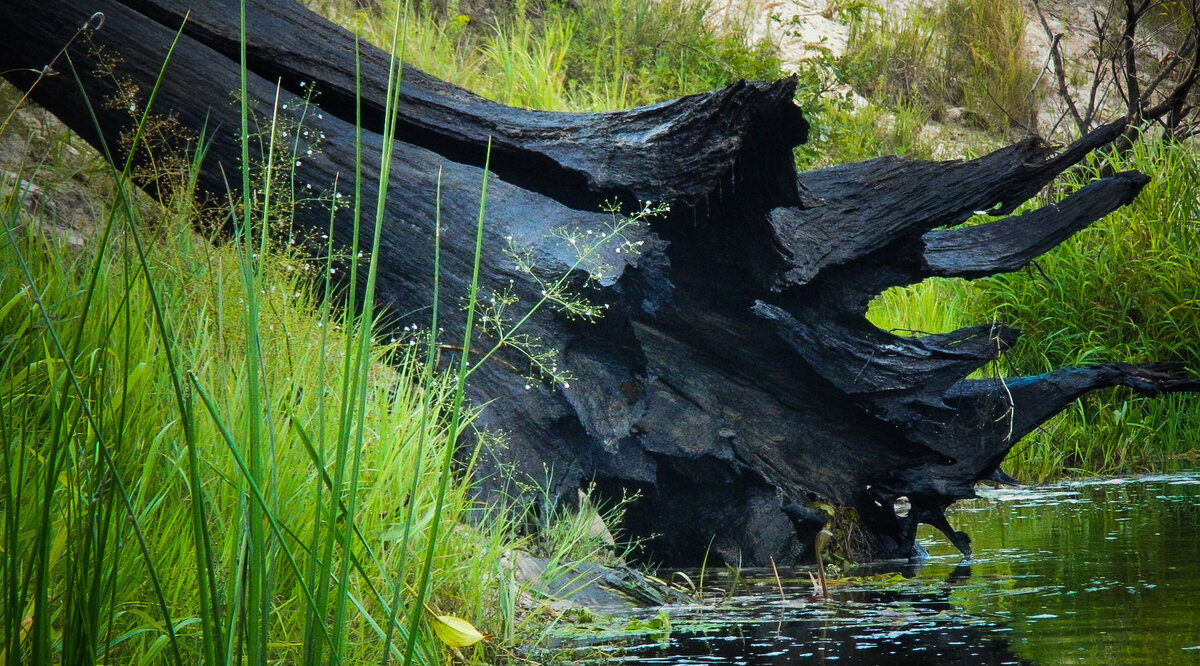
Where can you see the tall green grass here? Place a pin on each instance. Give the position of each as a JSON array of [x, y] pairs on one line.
[[966, 54], [1127, 289], [936, 305], [855, 134], [589, 56], [207, 461], [101, 453]]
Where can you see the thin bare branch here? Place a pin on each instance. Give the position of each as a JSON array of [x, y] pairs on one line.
[[1060, 70], [1133, 97]]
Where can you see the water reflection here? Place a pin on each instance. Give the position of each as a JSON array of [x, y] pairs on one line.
[[1096, 572], [898, 624]]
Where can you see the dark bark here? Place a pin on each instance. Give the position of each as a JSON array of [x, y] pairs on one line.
[[734, 379]]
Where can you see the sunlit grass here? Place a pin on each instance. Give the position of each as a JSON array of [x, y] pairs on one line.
[[594, 56], [53, 456], [966, 54], [933, 306]]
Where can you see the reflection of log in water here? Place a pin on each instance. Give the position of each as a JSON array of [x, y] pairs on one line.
[[734, 372]]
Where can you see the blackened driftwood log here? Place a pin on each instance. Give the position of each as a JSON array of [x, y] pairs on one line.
[[733, 380]]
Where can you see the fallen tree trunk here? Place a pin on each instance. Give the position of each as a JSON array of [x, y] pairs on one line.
[[733, 380]]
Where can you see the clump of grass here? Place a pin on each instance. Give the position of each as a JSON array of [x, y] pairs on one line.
[[856, 134], [101, 453], [967, 54], [601, 55], [892, 57], [936, 305], [578, 532], [1128, 290], [651, 50]]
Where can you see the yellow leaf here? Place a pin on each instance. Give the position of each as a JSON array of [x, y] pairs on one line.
[[455, 631]]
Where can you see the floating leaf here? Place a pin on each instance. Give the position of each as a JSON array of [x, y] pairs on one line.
[[455, 631], [659, 623]]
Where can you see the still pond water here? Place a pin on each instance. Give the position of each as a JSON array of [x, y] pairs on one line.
[[1094, 572]]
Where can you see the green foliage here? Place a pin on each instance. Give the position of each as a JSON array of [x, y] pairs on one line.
[[97, 448], [596, 55], [935, 305], [892, 58], [207, 462], [1127, 290], [968, 54], [658, 625], [655, 50], [860, 134], [579, 533]]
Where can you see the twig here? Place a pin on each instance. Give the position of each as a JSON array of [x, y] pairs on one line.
[[1060, 70], [94, 22], [778, 582]]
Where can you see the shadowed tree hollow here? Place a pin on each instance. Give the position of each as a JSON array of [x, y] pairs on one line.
[[730, 378]]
